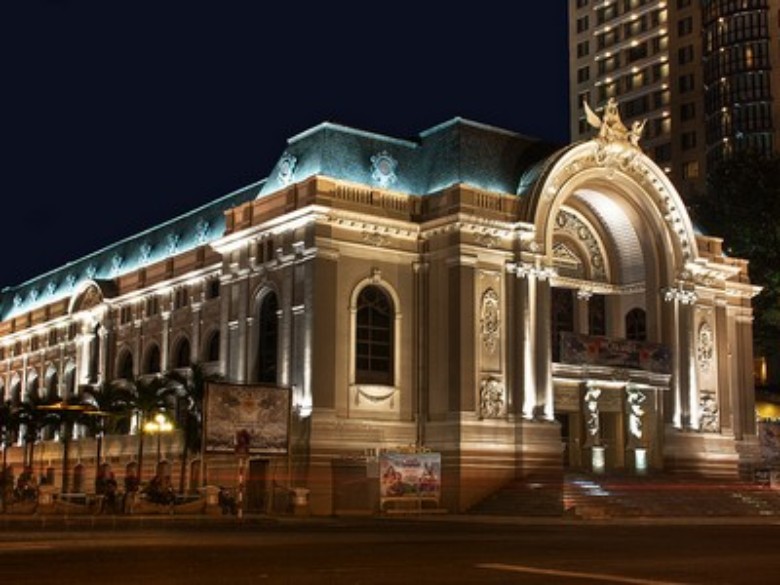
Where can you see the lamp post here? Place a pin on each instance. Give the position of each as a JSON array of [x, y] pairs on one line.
[[158, 426]]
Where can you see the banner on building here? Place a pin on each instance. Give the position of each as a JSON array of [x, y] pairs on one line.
[[594, 350], [256, 416], [410, 475]]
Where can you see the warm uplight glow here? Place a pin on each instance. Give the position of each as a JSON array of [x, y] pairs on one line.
[[160, 424], [640, 455], [598, 460]]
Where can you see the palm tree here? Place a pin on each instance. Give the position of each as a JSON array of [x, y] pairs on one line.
[[7, 428], [147, 395], [192, 389], [110, 407], [33, 417]]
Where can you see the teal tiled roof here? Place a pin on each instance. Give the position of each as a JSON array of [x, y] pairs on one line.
[[458, 151]]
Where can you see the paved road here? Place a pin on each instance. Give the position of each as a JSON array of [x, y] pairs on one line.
[[390, 551]]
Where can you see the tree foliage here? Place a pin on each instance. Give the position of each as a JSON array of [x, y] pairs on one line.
[[742, 205]]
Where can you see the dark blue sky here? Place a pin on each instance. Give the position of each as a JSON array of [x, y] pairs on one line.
[[117, 116]]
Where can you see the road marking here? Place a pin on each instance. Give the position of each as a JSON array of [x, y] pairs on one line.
[[575, 574]]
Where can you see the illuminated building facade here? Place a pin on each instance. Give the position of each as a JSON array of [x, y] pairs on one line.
[[699, 71], [517, 307]]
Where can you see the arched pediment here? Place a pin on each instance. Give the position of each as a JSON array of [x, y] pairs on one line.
[[623, 187], [91, 294]]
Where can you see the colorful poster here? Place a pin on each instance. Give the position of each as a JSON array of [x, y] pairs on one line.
[[256, 418], [618, 353], [769, 442], [410, 475]]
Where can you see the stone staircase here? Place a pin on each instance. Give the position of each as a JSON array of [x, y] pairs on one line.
[[618, 496]]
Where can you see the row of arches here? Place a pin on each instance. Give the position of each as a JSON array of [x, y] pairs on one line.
[[181, 356]]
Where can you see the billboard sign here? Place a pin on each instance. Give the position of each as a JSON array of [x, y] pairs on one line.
[[258, 415], [410, 475]]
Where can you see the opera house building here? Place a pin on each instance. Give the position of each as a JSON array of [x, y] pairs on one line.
[[484, 306]]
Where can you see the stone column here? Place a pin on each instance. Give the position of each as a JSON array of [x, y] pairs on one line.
[[535, 347], [686, 396]]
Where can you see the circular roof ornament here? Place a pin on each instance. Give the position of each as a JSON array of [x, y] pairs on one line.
[[383, 169]]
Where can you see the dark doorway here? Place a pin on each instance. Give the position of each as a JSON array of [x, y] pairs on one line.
[[256, 485]]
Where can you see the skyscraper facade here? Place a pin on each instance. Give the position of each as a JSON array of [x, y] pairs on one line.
[[699, 72]]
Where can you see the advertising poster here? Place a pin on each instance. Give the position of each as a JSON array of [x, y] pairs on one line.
[[410, 475], [258, 415]]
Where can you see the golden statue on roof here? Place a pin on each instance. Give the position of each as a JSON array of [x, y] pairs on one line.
[[611, 127]]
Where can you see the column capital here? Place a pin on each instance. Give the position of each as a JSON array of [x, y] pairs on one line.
[[685, 297]]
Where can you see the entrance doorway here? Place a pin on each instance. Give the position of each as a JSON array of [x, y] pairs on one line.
[[257, 485]]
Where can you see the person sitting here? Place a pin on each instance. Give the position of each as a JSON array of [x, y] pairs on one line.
[[110, 494]]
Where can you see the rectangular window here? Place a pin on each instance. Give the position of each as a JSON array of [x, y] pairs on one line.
[[685, 83], [688, 140], [583, 49], [583, 74], [688, 111], [582, 3], [662, 153], [582, 24], [685, 54], [691, 170], [685, 26]]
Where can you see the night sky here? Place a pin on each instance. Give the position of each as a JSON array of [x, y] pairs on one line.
[[119, 115]]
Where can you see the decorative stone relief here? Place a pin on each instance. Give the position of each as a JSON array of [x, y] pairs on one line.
[[145, 252], [570, 224], [705, 347], [375, 395], [70, 281], [374, 238], [202, 231], [708, 412], [592, 424], [383, 169], [51, 287], [286, 169], [492, 403], [490, 320], [172, 243], [116, 263], [635, 398]]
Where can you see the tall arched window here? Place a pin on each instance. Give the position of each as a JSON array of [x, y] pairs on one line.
[[268, 339], [562, 317], [374, 337], [125, 366], [52, 385], [181, 358], [597, 315], [212, 347], [152, 364], [636, 325]]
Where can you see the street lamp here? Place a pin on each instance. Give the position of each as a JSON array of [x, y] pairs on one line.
[[158, 426]]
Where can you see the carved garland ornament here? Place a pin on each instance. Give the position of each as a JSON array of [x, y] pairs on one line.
[[490, 320], [706, 347]]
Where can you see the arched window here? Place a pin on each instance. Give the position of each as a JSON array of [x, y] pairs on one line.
[[33, 384], [181, 358], [16, 391], [374, 337], [636, 325], [52, 386], [152, 363], [212, 347], [125, 366], [597, 315], [562, 318], [268, 339]]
